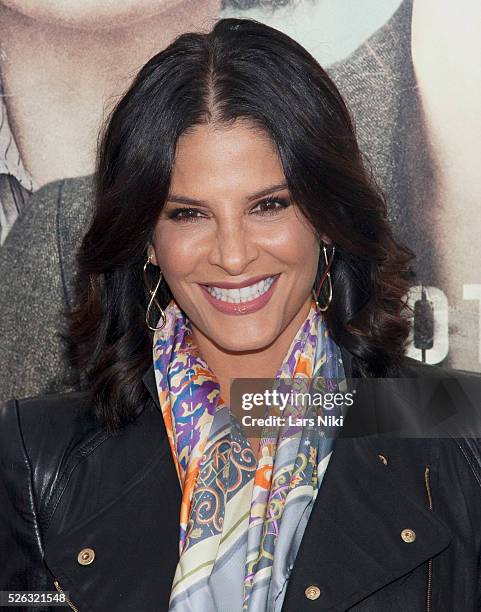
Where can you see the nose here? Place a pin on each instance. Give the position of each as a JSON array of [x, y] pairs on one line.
[[233, 247]]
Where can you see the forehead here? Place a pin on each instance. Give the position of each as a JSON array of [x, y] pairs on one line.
[[213, 161]]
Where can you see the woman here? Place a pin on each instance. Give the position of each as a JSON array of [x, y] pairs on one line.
[[237, 234]]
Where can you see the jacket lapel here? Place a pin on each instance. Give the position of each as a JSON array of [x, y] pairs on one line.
[[352, 545], [374, 489], [129, 517]]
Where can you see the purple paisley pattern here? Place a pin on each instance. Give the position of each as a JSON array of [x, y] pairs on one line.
[[238, 510]]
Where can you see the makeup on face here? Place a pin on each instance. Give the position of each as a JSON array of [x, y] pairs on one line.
[[244, 298], [235, 250]]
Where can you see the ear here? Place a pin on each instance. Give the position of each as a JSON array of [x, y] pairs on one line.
[[152, 255], [325, 238]]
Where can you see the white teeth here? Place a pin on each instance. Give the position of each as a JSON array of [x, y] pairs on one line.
[[245, 294]]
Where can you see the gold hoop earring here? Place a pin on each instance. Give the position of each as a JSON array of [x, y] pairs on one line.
[[326, 274], [153, 298]]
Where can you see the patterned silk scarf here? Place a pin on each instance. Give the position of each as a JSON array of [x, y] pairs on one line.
[[242, 517]]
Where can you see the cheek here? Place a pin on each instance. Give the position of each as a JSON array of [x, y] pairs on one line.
[[175, 252], [298, 247]]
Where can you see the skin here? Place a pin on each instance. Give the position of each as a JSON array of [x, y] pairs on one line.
[[89, 14], [98, 14], [64, 64], [229, 240], [446, 51]]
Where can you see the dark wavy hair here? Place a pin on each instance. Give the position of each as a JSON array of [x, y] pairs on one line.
[[246, 70]]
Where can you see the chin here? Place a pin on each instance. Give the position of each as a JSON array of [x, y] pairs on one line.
[[89, 14], [238, 343]]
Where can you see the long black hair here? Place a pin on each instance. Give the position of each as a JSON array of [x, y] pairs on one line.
[[242, 69]]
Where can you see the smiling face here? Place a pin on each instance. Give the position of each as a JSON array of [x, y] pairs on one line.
[[230, 221]]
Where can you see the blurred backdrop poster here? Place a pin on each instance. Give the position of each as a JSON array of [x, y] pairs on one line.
[[410, 72]]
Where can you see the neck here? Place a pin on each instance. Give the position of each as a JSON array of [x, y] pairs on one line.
[[57, 80]]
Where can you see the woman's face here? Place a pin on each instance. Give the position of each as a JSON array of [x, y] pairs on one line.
[[229, 220]]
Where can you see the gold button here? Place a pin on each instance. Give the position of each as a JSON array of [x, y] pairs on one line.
[[312, 592], [86, 556], [408, 535]]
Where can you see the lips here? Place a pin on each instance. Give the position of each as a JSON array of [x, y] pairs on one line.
[[241, 308], [246, 283]]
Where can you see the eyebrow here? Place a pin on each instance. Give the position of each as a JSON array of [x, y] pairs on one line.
[[179, 199]]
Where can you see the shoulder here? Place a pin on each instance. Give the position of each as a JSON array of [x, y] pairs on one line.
[[457, 392], [39, 252], [48, 436], [61, 208], [54, 421], [383, 54], [64, 209], [72, 413], [66, 201], [42, 434], [414, 367], [59, 420], [75, 209], [453, 398], [37, 268], [463, 387], [27, 252]]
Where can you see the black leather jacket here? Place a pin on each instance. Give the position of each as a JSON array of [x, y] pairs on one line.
[[67, 485]]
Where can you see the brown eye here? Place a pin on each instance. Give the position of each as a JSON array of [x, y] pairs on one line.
[[184, 214], [270, 206]]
